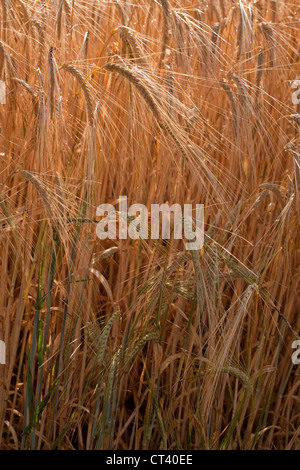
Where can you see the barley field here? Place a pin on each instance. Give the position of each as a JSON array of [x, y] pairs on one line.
[[142, 344]]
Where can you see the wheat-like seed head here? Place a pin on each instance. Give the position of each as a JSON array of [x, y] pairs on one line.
[[85, 88]]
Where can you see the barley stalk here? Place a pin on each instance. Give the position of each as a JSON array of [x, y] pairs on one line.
[[230, 95], [165, 41], [86, 91]]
